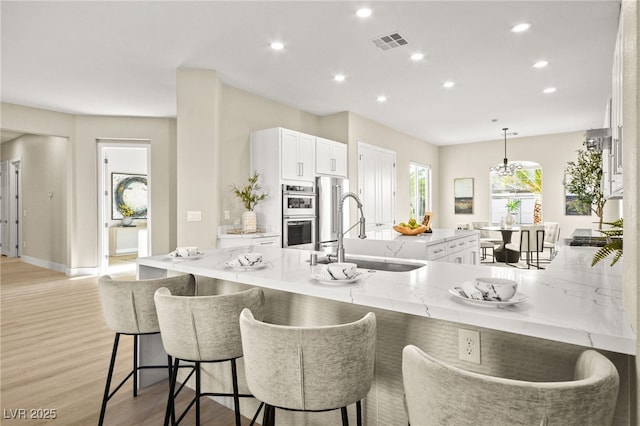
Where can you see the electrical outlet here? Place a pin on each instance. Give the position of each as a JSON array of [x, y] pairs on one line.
[[469, 345], [226, 214]]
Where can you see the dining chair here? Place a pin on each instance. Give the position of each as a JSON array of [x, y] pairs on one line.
[[487, 240], [551, 237], [531, 241]]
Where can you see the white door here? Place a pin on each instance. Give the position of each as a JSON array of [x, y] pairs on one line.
[[376, 186], [15, 209], [128, 157], [4, 207]]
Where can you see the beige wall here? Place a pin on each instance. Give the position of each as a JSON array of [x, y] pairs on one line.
[[631, 158], [407, 149], [552, 152], [81, 173], [241, 114], [44, 196]]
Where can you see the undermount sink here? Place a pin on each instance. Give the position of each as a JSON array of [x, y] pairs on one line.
[[376, 265]]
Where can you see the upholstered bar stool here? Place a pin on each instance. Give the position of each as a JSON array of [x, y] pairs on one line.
[[203, 329], [129, 309], [439, 394], [308, 368]]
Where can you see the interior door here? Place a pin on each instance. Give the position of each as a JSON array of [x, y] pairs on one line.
[[4, 207], [377, 186]]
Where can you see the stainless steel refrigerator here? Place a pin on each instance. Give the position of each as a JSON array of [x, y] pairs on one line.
[[329, 190]]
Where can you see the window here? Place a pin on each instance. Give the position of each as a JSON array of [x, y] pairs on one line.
[[526, 186], [419, 190]]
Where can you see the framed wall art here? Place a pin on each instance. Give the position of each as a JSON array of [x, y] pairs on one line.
[[129, 196], [463, 195]]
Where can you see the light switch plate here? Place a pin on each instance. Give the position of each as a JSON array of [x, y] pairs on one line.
[[194, 216]]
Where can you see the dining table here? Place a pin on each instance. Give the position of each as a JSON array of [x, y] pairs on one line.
[[502, 253]]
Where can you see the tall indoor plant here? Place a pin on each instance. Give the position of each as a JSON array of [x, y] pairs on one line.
[[584, 180], [250, 195]]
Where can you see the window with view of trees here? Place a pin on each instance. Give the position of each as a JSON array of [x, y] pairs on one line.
[[524, 185], [420, 190]]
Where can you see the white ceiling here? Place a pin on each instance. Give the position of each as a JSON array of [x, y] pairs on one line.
[[120, 58]]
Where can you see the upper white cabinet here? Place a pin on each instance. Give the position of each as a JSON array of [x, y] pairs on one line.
[[331, 157], [298, 155], [612, 153]]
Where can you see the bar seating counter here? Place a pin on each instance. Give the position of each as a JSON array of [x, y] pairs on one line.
[[570, 306]]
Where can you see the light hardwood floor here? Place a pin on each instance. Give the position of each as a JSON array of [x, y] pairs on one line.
[[55, 351]]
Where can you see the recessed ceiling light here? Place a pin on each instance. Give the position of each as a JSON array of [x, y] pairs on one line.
[[382, 98], [540, 64], [549, 90], [339, 77], [521, 27], [364, 12], [448, 84], [277, 45], [417, 56]]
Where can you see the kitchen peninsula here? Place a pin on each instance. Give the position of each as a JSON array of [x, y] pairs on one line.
[[570, 306]]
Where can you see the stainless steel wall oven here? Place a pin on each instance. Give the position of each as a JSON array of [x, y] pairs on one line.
[[299, 216]]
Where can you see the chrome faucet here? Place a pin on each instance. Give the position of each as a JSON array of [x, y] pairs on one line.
[[341, 233]]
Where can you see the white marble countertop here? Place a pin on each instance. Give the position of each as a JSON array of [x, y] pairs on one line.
[[251, 235], [434, 237], [568, 302]]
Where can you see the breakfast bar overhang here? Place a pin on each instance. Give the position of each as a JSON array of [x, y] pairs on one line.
[[570, 306]]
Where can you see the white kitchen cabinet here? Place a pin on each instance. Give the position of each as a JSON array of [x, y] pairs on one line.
[[331, 157], [442, 245], [612, 152], [298, 155], [437, 251], [246, 240]]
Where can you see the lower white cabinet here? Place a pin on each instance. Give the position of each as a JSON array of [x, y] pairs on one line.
[[257, 241], [464, 250]]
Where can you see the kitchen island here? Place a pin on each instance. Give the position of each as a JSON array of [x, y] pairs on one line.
[[569, 307]]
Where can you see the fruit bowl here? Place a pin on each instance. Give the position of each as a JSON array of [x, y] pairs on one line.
[[405, 230]]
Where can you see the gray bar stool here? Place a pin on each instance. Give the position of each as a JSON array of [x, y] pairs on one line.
[[129, 309], [203, 329], [309, 368], [438, 394]]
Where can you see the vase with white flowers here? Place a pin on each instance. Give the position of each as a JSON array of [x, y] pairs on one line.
[[250, 195]]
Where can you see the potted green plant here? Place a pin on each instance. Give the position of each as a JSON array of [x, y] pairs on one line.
[[584, 180], [512, 205], [250, 195], [614, 243]]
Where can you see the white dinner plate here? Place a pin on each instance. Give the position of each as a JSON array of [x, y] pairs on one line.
[[234, 267], [517, 298], [192, 257], [356, 277]]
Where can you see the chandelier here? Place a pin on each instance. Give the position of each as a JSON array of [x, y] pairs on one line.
[[505, 168]]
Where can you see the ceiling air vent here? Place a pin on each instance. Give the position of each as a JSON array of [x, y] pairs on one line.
[[390, 41]]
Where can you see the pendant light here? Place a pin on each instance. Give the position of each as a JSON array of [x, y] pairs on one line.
[[505, 168]]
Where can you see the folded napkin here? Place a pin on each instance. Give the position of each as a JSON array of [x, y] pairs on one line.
[[470, 291], [185, 252]]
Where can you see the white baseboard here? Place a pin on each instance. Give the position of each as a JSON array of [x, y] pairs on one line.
[[71, 272], [44, 264]]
